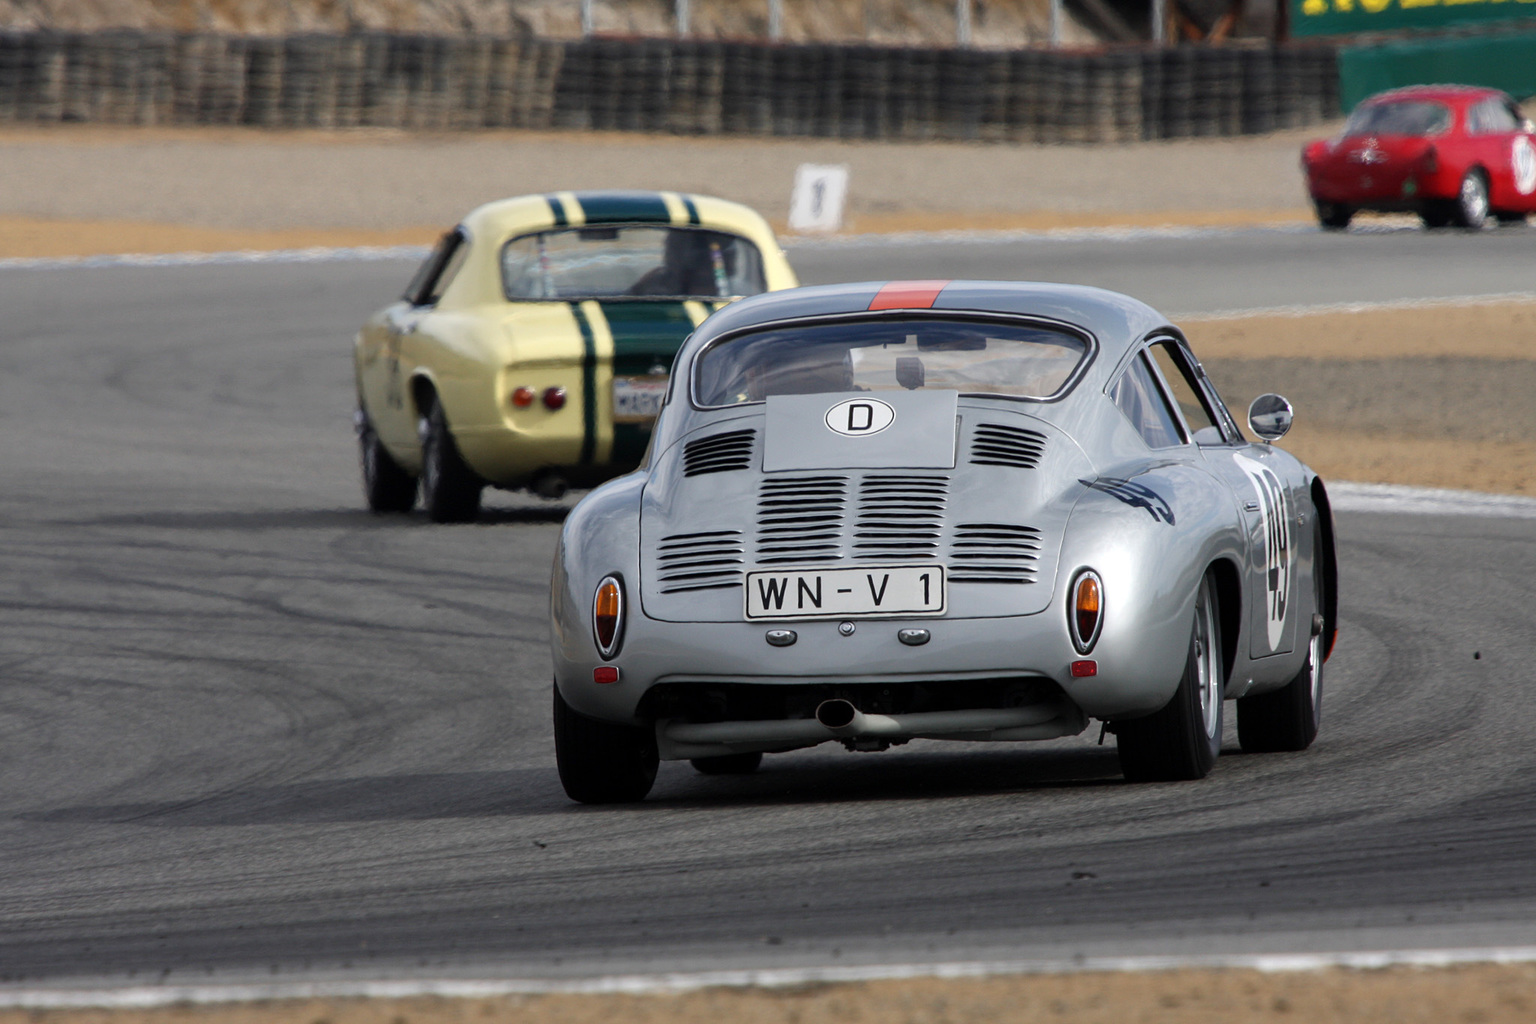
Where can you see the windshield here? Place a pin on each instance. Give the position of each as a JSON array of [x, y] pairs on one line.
[[887, 355], [641, 262], [1416, 118]]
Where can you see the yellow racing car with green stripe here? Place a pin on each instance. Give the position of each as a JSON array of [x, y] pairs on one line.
[[532, 348]]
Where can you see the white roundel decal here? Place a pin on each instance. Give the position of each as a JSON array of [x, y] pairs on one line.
[[1277, 545], [860, 416], [1524, 158]]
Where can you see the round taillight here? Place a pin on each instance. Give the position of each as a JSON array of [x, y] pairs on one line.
[[1086, 613], [523, 397], [554, 398], [608, 616]]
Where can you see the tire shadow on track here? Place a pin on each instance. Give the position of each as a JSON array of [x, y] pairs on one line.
[[904, 776]]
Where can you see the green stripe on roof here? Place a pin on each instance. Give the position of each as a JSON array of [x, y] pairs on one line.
[[557, 208], [631, 207], [588, 385]]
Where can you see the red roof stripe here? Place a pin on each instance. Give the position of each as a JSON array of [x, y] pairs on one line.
[[908, 295]]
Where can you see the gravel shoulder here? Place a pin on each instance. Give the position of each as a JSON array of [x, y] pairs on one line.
[[372, 180]]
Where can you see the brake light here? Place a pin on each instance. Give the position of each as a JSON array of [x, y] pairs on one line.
[[554, 398], [1085, 613], [608, 616], [522, 397]]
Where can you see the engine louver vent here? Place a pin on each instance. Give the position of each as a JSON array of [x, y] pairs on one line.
[[899, 517], [699, 561], [719, 454], [800, 520], [993, 553], [993, 444]]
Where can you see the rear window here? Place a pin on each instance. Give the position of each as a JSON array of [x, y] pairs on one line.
[[1408, 117], [630, 262], [972, 357]]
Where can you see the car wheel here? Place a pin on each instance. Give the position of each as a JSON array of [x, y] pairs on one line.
[[728, 764], [1334, 216], [387, 487], [450, 490], [1472, 202], [1182, 740], [1509, 219], [601, 762], [1287, 719]]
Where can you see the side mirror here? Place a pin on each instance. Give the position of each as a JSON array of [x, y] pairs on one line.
[[1270, 417]]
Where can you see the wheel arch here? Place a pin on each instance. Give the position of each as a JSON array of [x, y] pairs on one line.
[[1229, 608], [1328, 560], [423, 391]]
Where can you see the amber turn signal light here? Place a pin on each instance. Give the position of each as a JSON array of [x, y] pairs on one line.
[[1086, 613], [608, 616], [523, 397]]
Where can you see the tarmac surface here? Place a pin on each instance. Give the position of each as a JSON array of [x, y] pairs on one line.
[[248, 730]]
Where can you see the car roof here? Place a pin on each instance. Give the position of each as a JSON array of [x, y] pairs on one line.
[[615, 206], [1116, 321], [1443, 93]]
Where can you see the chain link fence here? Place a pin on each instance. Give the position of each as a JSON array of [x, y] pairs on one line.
[[658, 85]]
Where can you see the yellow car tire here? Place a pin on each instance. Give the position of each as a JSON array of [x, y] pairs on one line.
[[450, 490]]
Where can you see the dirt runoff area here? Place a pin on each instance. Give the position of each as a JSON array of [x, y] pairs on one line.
[[1456, 995], [1432, 396]]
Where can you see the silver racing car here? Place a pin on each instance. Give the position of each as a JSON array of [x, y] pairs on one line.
[[961, 510]]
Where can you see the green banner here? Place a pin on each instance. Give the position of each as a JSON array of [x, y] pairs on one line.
[[1504, 60], [1341, 17]]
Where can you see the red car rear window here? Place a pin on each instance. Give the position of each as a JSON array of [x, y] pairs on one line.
[[1405, 117]]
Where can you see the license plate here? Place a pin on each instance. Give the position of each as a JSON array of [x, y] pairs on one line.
[[638, 399], [846, 593]]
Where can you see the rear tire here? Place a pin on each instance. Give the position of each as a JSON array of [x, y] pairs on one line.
[[1471, 204], [1287, 718], [386, 486], [450, 490], [727, 764], [1183, 740], [1333, 216], [601, 762]]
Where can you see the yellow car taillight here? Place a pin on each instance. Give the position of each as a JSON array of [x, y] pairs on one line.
[[608, 616], [1085, 613]]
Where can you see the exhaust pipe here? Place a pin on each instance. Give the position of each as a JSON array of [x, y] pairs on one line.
[[840, 716]]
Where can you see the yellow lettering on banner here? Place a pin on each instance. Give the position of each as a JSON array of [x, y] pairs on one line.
[[1375, 6], [1312, 8], [1410, 4], [1343, 6]]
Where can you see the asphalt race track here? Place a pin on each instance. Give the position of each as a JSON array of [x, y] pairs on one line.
[[248, 730]]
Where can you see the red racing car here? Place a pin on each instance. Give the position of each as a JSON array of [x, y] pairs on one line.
[[1453, 154]]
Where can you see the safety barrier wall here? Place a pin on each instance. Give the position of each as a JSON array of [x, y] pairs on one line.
[[683, 87], [1505, 60]]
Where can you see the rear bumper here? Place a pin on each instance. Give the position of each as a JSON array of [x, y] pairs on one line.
[[676, 741]]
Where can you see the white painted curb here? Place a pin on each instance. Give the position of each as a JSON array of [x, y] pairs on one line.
[[149, 996], [1427, 501]]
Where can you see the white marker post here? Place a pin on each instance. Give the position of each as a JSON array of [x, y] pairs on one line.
[[816, 205]]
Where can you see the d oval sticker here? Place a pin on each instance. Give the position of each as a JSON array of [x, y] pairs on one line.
[[860, 416]]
